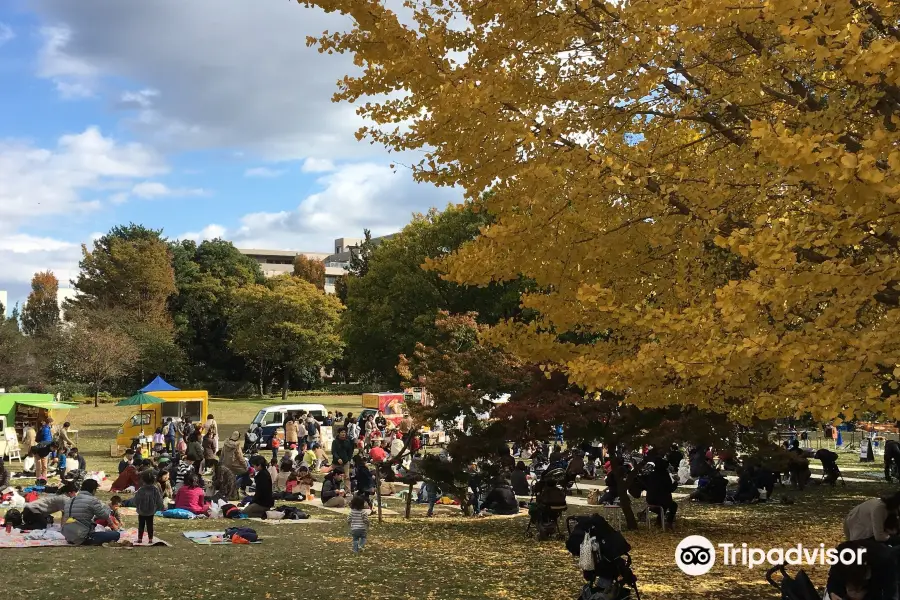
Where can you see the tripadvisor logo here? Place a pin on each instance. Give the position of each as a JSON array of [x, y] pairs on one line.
[[696, 555]]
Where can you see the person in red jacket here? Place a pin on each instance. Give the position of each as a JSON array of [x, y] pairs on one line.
[[190, 496], [127, 478]]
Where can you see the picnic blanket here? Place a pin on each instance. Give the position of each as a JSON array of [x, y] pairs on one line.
[[317, 502], [210, 538], [53, 537], [288, 521]]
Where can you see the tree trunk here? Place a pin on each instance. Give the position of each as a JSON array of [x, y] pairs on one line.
[[96, 395], [409, 500], [285, 383], [378, 490], [624, 483]]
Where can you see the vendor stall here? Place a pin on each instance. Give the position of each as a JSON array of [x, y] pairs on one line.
[[18, 411]]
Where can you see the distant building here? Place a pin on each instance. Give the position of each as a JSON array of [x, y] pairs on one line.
[[4, 300], [279, 262]]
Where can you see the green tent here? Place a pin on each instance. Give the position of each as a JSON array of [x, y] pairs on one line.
[[8, 403]]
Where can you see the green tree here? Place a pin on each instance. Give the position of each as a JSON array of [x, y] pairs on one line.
[[40, 316], [358, 265], [311, 270], [96, 355], [130, 268], [393, 303], [16, 361], [287, 324], [205, 276], [125, 283]]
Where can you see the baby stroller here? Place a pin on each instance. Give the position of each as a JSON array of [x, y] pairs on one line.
[[799, 588], [253, 441], [547, 504], [607, 571], [830, 470]]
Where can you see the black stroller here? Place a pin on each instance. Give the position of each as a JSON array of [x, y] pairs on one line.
[[830, 470], [792, 588], [547, 504], [253, 441], [611, 577]]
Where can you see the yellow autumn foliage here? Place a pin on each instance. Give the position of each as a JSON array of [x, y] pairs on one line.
[[709, 188]]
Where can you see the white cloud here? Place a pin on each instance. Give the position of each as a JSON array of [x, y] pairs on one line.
[[39, 182], [142, 99], [210, 232], [317, 165], [53, 187], [6, 33], [242, 78], [22, 255], [353, 197], [73, 76], [155, 189], [263, 172]]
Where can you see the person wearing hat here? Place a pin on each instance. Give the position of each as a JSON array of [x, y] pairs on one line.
[[233, 455]]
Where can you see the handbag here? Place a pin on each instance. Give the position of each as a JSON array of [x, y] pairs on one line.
[[586, 555]]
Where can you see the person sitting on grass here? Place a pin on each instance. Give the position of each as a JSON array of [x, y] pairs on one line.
[[321, 457], [308, 456], [874, 579], [284, 473], [77, 460], [127, 460], [79, 515], [520, 480], [165, 485], [128, 478], [747, 491], [180, 469], [711, 489], [263, 498], [502, 500], [224, 484], [191, 497], [305, 481], [36, 514], [866, 521], [147, 501], [332, 494], [115, 516]]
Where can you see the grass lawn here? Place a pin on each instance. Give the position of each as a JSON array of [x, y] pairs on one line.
[[442, 558]]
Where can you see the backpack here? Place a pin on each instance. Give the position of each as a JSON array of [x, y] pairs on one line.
[[292, 513], [244, 532], [13, 517]]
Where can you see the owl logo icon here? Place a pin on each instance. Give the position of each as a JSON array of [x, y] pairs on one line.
[[695, 555]]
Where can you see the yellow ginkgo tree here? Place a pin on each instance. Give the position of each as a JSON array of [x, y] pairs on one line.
[[705, 192]]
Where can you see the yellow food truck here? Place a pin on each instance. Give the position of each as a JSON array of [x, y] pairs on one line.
[[178, 405]]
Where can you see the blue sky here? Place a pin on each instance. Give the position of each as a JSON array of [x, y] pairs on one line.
[[202, 118]]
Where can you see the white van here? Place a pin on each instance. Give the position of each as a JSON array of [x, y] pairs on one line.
[[273, 418]]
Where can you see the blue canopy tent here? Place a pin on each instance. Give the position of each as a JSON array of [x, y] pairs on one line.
[[158, 385]]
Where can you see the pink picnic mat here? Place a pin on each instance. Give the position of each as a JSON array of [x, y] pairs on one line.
[[17, 539]]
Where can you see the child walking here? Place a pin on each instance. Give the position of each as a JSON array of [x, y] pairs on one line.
[[359, 523], [148, 500]]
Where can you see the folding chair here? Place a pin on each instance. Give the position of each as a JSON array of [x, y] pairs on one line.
[[12, 445]]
